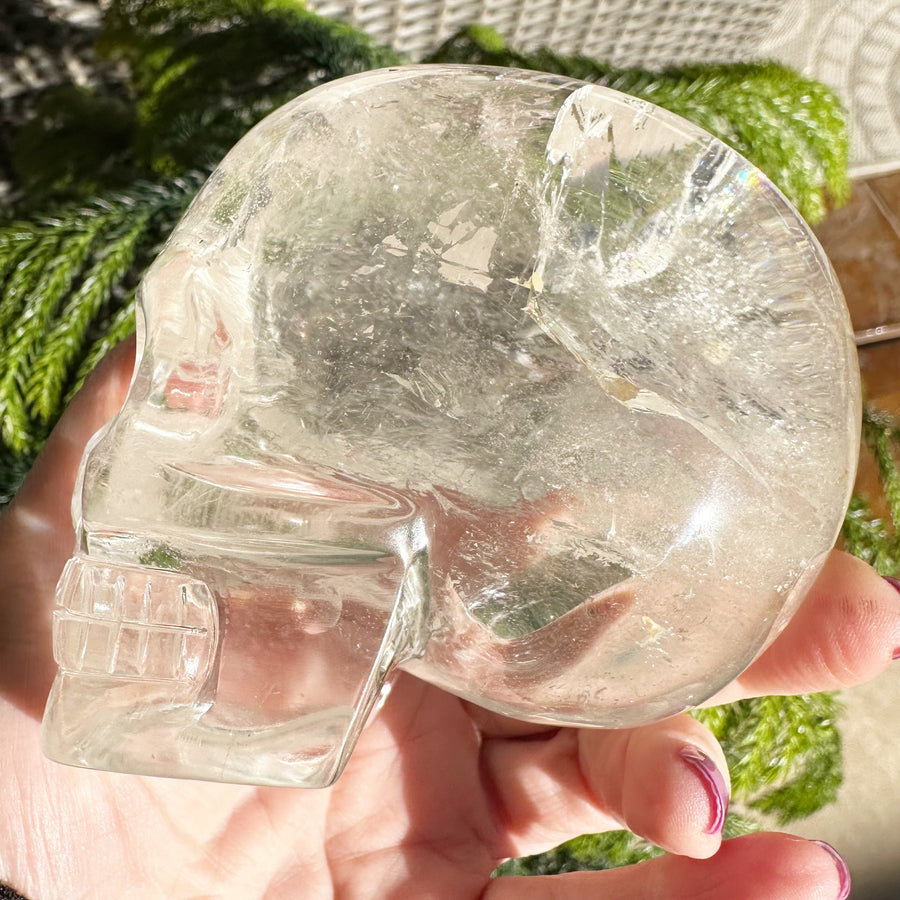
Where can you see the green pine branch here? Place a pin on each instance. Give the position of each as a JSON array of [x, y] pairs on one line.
[[16, 242], [37, 289], [70, 270], [113, 329], [64, 343], [864, 534], [792, 128], [31, 249], [868, 537], [881, 440], [784, 753]]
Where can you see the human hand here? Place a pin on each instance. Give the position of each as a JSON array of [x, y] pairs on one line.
[[437, 791]]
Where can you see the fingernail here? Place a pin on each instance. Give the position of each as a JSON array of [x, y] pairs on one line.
[[843, 871], [714, 782], [895, 584]]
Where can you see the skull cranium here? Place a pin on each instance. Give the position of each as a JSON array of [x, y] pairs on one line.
[[515, 382]]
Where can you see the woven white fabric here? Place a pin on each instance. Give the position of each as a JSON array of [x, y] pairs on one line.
[[651, 33], [851, 45], [26, 66]]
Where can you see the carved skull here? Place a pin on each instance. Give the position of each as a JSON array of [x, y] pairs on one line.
[[518, 383]]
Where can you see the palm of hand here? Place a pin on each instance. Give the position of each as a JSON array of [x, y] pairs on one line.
[[410, 810], [409, 818], [437, 792]]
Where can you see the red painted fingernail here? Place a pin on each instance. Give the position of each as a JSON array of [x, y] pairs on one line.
[[714, 782], [843, 871]]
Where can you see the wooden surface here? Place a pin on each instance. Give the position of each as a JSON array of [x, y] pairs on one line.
[[862, 240], [863, 243]]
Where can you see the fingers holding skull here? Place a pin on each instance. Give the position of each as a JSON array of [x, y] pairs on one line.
[[754, 867], [844, 633], [667, 782]]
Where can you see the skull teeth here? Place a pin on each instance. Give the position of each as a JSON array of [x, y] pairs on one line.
[[129, 622]]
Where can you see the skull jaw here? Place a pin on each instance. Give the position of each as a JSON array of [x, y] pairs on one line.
[[150, 682], [164, 738]]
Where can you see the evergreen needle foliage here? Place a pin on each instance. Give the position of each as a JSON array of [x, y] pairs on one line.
[[865, 534], [869, 538], [791, 127], [783, 753], [66, 273], [113, 330]]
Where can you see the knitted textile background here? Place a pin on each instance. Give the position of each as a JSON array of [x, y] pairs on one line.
[[853, 46]]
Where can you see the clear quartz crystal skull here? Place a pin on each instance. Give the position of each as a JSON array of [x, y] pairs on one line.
[[522, 385]]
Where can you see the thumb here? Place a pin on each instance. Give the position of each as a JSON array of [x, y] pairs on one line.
[[36, 535]]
